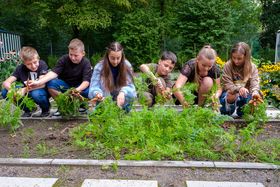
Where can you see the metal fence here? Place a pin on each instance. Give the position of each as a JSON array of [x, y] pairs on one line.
[[9, 42], [277, 47]]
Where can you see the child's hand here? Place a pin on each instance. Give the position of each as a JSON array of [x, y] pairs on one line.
[[185, 104], [33, 83], [120, 99], [99, 97], [22, 91], [167, 94], [243, 92], [159, 84]]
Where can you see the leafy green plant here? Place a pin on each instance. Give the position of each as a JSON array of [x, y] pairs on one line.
[[270, 78], [8, 64], [13, 105], [161, 133], [52, 60], [68, 103]]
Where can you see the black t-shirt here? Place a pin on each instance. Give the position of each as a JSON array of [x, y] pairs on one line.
[[22, 73], [188, 70], [73, 74]]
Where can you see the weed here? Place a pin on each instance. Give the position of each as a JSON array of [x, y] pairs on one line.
[[43, 150], [26, 151]]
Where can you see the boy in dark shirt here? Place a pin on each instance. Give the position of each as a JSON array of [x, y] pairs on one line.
[[159, 77], [71, 70], [31, 69]]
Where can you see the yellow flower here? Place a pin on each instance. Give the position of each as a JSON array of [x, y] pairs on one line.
[[220, 62], [270, 68]]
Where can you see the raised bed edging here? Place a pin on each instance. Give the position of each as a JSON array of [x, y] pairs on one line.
[[127, 163]]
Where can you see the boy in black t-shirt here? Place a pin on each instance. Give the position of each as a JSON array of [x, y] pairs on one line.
[[32, 69]]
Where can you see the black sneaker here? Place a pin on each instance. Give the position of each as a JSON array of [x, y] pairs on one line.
[[26, 114], [44, 114]]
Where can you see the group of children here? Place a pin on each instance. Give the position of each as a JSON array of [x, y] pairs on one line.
[[113, 76]]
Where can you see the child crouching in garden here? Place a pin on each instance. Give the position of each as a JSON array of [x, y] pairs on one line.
[[159, 82], [31, 69], [113, 76], [240, 80], [204, 72]]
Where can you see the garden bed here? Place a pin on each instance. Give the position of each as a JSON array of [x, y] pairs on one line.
[[49, 138]]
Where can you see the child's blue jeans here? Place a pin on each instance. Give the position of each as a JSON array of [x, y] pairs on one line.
[[228, 109], [62, 86]]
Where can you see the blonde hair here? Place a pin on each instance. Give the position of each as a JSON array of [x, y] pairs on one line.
[[28, 53], [243, 48], [208, 52], [76, 44]]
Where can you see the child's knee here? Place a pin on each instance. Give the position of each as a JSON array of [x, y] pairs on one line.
[[206, 84]]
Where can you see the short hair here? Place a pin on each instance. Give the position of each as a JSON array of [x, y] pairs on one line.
[[76, 44], [208, 52], [28, 53], [168, 55]]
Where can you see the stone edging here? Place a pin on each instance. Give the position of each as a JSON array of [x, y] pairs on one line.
[[125, 163]]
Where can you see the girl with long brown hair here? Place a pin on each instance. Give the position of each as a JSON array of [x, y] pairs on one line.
[[112, 76], [240, 80]]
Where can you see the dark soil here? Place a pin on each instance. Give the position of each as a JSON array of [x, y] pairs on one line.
[[49, 138]]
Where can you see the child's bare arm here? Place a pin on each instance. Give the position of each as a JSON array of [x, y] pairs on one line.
[[145, 69], [7, 83]]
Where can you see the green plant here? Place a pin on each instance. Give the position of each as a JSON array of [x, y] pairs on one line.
[[95, 58], [270, 78], [162, 133], [69, 102], [52, 60], [26, 151], [13, 105], [8, 64], [43, 149]]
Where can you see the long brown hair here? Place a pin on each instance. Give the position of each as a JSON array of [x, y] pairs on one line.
[[243, 48], [106, 73]]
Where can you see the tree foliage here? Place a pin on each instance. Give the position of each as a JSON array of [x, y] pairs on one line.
[[144, 27], [139, 32], [270, 21], [203, 22]]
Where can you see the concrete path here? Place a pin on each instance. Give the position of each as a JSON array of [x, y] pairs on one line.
[[222, 184], [27, 182], [118, 183]]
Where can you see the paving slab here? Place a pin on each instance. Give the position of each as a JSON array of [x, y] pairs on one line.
[[118, 183], [27, 182], [222, 184]]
